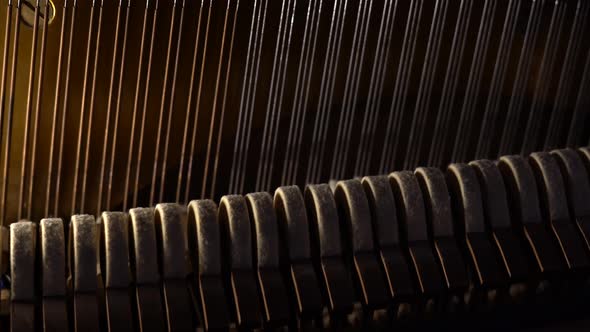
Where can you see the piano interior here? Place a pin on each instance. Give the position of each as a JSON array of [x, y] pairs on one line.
[[306, 165]]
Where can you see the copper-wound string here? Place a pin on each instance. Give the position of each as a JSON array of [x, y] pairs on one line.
[[56, 110], [162, 105], [243, 111], [171, 105], [275, 104], [38, 101], [222, 113], [78, 157], [5, 52], [135, 107], [145, 105], [252, 84], [105, 143], [214, 108], [10, 112], [28, 111], [91, 111], [65, 110], [188, 110], [269, 112], [197, 103], [118, 107]]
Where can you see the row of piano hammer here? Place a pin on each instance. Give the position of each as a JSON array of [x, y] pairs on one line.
[[371, 251]]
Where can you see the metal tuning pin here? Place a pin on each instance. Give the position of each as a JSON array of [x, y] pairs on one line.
[[270, 280], [236, 233], [205, 252]]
